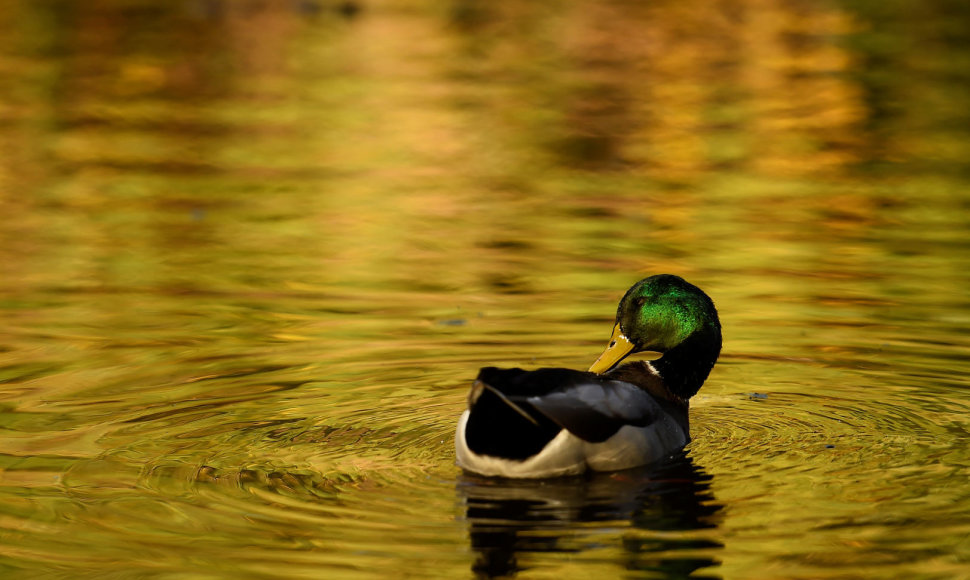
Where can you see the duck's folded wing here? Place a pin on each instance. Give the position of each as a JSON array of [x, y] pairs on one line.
[[595, 410]]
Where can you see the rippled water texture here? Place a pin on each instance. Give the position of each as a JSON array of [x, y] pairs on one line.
[[252, 253]]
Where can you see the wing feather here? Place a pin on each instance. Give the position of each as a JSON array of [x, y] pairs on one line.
[[590, 406], [595, 410]]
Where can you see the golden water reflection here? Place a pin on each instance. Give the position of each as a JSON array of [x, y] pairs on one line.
[[252, 253]]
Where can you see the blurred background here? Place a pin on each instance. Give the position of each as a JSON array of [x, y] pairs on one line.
[[252, 253]]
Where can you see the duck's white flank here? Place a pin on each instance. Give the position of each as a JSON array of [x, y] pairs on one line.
[[567, 454], [634, 446]]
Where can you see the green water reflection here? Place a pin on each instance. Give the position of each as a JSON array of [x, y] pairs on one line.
[[253, 252]]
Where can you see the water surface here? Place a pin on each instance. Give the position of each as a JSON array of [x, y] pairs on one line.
[[253, 253]]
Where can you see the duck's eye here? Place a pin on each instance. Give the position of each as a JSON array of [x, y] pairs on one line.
[[640, 301]]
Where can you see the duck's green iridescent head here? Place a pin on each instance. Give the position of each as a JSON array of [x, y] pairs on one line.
[[657, 314]]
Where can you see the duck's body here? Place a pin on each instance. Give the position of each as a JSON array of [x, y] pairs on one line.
[[553, 422], [579, 421]]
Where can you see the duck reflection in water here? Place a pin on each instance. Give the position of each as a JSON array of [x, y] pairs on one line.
[[509, 518]]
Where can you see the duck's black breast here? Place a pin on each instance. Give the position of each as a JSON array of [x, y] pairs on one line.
[[591, 407]]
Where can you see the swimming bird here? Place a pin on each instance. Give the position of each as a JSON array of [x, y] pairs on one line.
[[552, 422]]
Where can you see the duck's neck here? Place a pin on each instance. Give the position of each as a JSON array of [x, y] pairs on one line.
[[685, 367]]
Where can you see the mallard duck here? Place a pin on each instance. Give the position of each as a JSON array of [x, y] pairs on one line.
[[553, 421]]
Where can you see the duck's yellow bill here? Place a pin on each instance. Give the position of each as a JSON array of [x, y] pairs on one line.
[[619, 347]]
